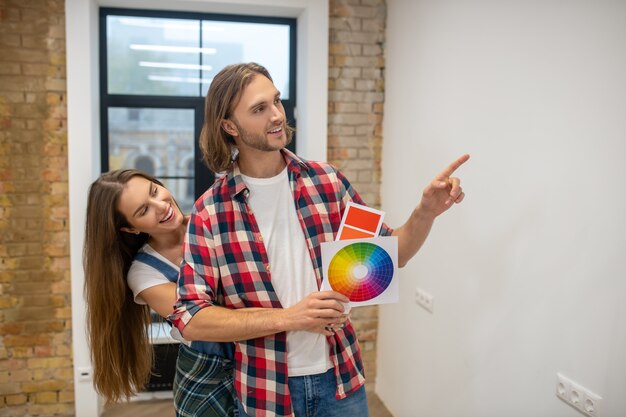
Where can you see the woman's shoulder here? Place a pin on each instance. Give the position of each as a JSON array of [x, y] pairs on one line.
[[143, 275], [148, 259]]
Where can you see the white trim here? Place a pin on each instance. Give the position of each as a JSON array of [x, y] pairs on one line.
[[83, 164], [83, 121]]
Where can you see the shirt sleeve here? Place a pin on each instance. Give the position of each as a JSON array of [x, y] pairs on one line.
[[349, 193], [198, 273], [141, 277]]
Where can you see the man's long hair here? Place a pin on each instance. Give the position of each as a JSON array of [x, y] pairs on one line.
[[223, 96]]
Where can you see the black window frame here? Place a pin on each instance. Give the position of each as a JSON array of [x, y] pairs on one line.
[[202, 175]]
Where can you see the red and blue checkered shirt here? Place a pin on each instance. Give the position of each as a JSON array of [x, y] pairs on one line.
[[225, 262]]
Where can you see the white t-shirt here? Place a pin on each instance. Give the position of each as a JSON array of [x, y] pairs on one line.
[[292, 274], [142, 276]]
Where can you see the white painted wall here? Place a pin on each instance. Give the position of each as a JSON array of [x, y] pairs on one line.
[[83, 121], [528, 273]]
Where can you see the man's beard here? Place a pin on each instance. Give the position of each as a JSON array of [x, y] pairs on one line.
[[259, 141]]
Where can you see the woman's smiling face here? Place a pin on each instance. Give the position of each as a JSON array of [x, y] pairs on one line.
[[148, 208]]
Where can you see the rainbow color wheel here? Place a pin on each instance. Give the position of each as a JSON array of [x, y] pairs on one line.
[[360, 271]]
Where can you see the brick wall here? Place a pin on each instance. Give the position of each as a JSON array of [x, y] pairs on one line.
[[355, 112], [35, 341]]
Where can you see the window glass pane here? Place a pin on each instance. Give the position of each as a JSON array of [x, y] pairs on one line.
[[158, 141], [182, 190], [153, 56], [233, 42]]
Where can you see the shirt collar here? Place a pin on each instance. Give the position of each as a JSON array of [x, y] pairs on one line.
[[237, 186]]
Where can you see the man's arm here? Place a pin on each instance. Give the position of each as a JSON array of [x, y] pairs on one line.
[[198, 318], [437, 197], [314, 313]]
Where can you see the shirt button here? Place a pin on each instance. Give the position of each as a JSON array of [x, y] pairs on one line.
[[267, 267], [260, 238]]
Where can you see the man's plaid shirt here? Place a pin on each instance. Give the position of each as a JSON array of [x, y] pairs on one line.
[[224, 256]]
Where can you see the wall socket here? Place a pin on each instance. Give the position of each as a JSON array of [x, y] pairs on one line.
[[578, 396], [424, 299], [85, 374]]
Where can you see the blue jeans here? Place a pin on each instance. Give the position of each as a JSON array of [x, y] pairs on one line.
[[314, 396]]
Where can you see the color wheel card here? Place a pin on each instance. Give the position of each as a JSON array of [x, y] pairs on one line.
[[364, 270]]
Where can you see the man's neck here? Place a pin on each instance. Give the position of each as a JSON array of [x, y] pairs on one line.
[[261, 164]]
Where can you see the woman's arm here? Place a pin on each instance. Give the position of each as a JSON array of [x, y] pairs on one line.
[[161, 298]]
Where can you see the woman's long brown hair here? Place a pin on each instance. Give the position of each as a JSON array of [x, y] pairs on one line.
[[118, 327]]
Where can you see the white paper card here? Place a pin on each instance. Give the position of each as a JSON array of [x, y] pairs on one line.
[[364, 270]]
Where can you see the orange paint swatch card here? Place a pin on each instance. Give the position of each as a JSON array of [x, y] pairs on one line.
[[360, 222]]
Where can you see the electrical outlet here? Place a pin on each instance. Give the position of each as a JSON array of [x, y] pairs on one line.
[[577, 396], [84, 374], [562, 387], [424, 299], [591, 404]]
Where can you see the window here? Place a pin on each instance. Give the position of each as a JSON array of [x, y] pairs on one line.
[[156, 68]]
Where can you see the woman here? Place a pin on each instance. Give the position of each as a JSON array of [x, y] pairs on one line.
[[132, 253]]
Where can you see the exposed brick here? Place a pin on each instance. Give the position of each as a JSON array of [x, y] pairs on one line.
[[365, 176], [50, 362], [373, 25], [26, 55], [52, 409], [346, 107], [10, 68], [8, 302], [356, 37], [355, 85], [66, 396], [53, 385], [342, 84], [33, 14], [9, 39], [359, 61], [346, 96], [63, 313], [18, 399], [30, 340], [344, 23], [34, 69], [351, 49], [11, 328], [347, 72], [57, 31], [372, 50], [56, 85], [348, 118], [10, 389], [371, 73], [46, 397], [22, 375], [341, 131], [29, 41], [64, 350]]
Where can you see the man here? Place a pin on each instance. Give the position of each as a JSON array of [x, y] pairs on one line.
[[252, 261]]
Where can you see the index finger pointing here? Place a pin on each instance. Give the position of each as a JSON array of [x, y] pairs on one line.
[[452, 167]]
